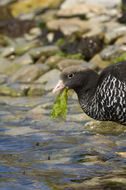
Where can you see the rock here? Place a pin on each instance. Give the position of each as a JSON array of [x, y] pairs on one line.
[[98, 60], [7, 91], [105, 127], [6, 41], [3, 79], [35, 31], [29, 73], [80, 9], [15, 27], [4, 64], [69, 26], [102, 3], [7, 51], [114, 31], [52, 61], [112, 51], [25, 59], [25, 47], [36, 90], [49, 79], [68, 62], [121, 40], [22, 7], [10, 67], [46, 51]]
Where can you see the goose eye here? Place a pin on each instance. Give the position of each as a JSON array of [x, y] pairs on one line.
[[70, 75]]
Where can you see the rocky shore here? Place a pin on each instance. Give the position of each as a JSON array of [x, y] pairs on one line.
[[38, 43]]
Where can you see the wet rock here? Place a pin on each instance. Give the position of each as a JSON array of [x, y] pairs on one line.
[[49, 79], [29, 73], [7, 91], [112, 51], [121, 40], [69, 62], [114, 31], [45, 50], [39, 109], [80, 9], [68, 26], [52, 61], [36, 90], [88, 46], [15, 27], [105, 127]]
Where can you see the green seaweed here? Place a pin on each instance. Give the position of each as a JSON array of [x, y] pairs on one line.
[[60, 105]]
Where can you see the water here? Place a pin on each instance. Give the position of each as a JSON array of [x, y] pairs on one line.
[[37, 152]]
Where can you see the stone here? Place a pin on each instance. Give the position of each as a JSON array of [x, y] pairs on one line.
[[52, 61], [69, 26], [102, 3], [25, 59], [36, 90], [80, 9], [114, 31], [69, 62], [35, 31], [112, 51], [7, 91], [121, 40], [98, 60], [7, 51], [25, 47], [49, 79], [45, 50], [29, 73]]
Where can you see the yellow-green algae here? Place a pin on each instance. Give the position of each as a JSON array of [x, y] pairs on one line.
[[60, 105]]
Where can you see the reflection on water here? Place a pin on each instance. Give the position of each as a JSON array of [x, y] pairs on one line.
[[37, 152]]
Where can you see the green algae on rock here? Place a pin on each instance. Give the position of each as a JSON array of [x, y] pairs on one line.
[[60, 105]]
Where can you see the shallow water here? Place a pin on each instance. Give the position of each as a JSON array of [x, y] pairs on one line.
[[37, 152]]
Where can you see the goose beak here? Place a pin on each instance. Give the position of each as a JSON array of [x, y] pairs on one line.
[[59, 86]]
